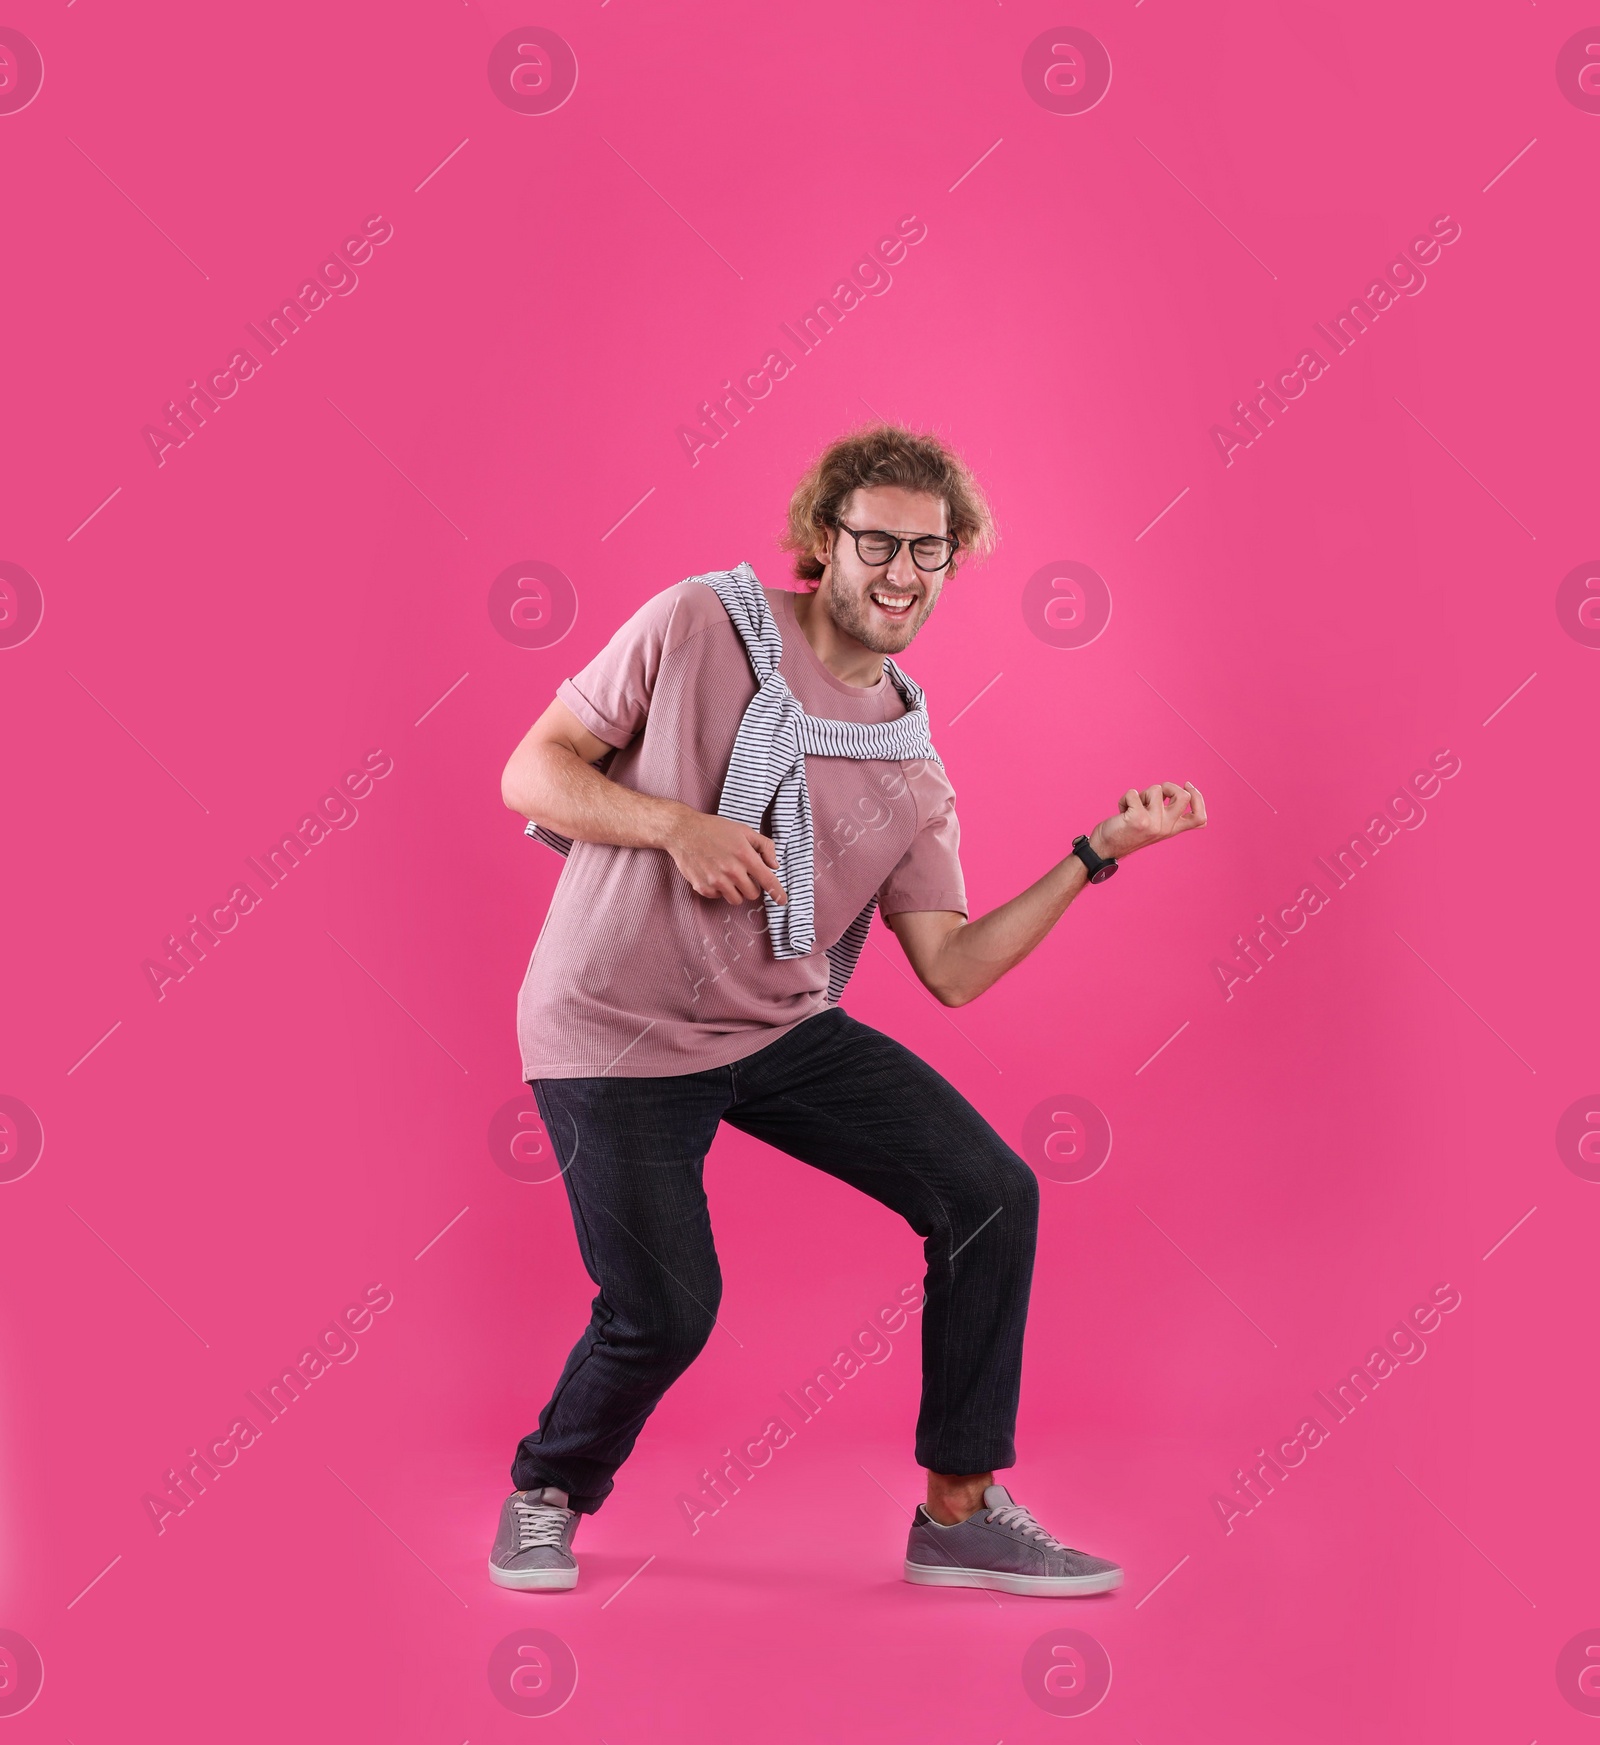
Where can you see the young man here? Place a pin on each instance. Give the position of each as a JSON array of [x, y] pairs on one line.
[[737, 780]]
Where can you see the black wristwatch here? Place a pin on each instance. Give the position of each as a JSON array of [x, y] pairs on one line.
[[1100, 869]]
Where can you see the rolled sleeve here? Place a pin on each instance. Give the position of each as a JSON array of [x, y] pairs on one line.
[[600, 725], [928, 875], [611, 695]]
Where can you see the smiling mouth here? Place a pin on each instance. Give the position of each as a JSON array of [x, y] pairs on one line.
[[891, 605]]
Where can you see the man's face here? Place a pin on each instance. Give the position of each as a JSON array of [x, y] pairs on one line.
[[882, 606]]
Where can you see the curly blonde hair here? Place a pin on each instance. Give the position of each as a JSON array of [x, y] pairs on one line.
[[884, 454]]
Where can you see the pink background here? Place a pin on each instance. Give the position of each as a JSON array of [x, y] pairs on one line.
[[303, 1114]]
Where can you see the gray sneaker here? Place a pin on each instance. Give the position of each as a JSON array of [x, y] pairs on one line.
[[1002, 1546], [533, 1548]]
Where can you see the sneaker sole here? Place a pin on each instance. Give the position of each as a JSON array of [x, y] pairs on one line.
[[552, 1579], [928, 1575]]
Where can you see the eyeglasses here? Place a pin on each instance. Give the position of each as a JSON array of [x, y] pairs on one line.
[[928, 550]]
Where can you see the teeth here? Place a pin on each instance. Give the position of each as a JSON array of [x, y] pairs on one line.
[[893, 602]]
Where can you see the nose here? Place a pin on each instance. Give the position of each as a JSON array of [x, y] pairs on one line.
[[902, 571]]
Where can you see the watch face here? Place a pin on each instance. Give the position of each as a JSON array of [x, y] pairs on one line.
[[1105, 872]]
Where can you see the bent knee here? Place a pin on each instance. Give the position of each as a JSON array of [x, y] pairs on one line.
[[668, 1336], [677, 1350], [1023, 1186], [1005, 1188]]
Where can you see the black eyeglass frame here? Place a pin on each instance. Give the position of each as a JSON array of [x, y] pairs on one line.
[[860, 533]]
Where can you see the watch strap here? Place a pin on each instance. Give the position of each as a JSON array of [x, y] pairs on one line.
[[1100, 867]]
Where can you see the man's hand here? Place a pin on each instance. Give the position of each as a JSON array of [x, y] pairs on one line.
[[956, 959], [1167, 809], [723, 858], [552, 780]]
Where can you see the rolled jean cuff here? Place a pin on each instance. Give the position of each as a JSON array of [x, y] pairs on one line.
[[527, 1477], [956, 1460]]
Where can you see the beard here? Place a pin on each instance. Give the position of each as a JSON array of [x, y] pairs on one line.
[[854, 613]]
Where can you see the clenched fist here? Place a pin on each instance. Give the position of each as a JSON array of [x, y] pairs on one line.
[[722, 858], [1166, 809]]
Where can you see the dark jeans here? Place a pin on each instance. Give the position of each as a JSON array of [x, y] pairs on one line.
[[845, 1099]]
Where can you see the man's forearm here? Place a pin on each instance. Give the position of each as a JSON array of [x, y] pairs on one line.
[[973, 955], [554, 787], [553, 779]]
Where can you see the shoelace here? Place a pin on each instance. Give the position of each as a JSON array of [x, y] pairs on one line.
[[542, 1524], [1019, 1520]]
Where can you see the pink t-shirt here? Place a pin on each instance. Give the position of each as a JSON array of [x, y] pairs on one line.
[[633, 975]]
